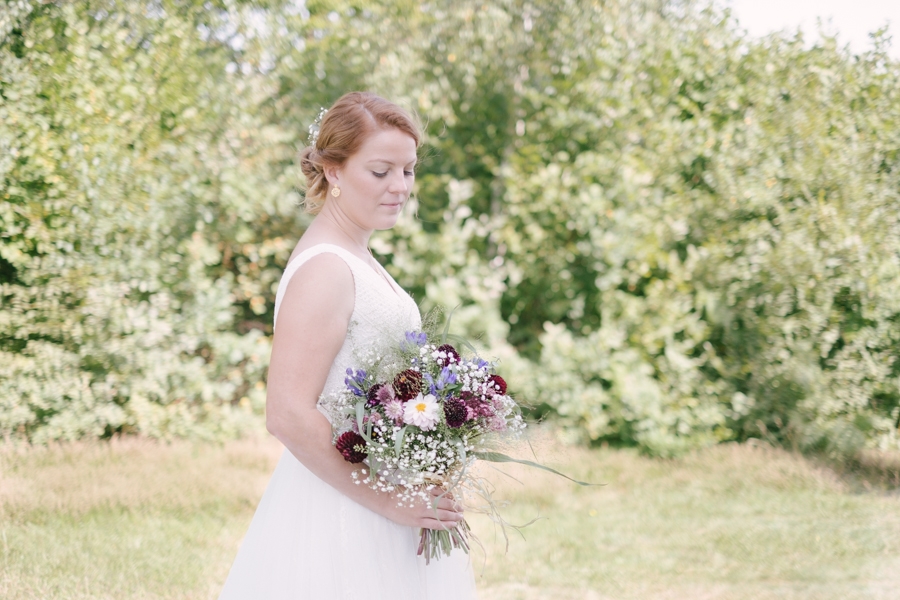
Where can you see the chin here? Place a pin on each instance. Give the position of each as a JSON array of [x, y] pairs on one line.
[[387, 223]]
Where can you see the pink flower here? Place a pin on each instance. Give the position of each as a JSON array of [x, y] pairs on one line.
[[385, 394], [394, 410], [498, 424], [477, 406]]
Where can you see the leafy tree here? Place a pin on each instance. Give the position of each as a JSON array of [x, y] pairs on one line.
[[630, 187], [133, 159], [671, 235]]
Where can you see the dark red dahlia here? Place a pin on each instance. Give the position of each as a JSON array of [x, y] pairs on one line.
[[372, 395], [352, 447], [497, 384], [452, 355], [455, 411], [407, 384]]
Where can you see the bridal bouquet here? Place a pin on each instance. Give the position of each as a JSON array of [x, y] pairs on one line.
[[419, 418]]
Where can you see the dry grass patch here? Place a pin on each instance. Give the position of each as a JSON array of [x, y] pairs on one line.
[[733, 521], [127, 519], [135, 519]]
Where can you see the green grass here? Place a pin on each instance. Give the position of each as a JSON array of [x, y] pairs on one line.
[[138, 519], [728, 522]]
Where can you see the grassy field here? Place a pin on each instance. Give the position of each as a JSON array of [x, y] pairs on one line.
[[136, 519]]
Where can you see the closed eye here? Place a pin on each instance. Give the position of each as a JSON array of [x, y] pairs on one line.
[[405, 173]]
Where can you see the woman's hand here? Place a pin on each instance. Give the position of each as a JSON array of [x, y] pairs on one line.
[[442, 512]]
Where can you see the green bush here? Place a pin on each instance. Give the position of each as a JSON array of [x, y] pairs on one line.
[[692, 236], [671, 235], [132, 165]]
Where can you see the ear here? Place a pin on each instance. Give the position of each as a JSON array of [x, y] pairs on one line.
[[332, 174]]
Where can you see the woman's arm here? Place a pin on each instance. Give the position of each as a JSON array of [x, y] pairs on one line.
[[312, 323]]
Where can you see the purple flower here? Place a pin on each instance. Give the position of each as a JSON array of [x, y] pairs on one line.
[[429, 380], [414, 339], [355, 381], [445, 377]]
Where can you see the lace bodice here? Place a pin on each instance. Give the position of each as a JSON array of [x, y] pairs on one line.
[[382, 311]]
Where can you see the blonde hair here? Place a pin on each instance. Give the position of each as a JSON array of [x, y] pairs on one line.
[[343, 129]]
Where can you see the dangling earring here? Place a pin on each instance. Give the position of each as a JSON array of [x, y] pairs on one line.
[[335, 191]]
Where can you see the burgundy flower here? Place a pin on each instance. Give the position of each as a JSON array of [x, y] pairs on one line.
[[407, 384], [372, 395], [352, 447], [455, 411], [476, 406], [452, 355], [497, 384]]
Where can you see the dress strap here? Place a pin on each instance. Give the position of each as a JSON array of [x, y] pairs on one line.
[[299, 261]]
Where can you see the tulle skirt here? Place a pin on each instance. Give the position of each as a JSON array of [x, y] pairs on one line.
[[309, 541]]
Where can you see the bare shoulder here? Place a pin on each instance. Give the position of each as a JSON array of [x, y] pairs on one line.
[[323, 282]]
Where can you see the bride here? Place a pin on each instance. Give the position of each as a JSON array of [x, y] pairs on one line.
[[316, 535]]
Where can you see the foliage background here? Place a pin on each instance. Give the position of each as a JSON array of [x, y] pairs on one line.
[[670, 235]]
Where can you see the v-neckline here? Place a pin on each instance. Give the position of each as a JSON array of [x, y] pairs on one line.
[[385, 276], [381, 273]]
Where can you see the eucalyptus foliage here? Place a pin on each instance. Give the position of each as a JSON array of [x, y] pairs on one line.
[[671, 235]]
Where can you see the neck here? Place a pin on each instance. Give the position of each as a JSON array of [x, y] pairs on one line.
[[332, 219]]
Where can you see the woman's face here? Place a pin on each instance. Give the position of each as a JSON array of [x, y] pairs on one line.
[[376, 181]]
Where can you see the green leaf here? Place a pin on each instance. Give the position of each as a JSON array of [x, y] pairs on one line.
[[398, 440], [501, 458]]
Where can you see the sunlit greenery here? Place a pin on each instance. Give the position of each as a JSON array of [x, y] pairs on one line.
[[669, 234]]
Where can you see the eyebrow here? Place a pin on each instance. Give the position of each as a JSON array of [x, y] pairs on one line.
[[388, 162]]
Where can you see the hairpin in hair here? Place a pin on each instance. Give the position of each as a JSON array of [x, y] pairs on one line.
[[315, 126]]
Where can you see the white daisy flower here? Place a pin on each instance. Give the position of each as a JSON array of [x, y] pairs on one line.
[[422, 411]]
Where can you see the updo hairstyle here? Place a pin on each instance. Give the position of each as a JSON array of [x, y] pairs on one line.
[[343, 129]]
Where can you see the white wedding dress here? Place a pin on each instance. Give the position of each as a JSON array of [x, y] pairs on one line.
[[309, 541]]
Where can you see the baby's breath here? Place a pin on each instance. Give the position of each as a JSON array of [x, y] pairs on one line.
[[408, 461]]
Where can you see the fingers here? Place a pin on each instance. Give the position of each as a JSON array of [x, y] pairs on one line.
[[445, 511], [444, 499], [443, 515], [446, 504], [439, 492], [435, 524]]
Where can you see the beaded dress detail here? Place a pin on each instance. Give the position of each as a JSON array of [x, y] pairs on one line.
[[309, 541]]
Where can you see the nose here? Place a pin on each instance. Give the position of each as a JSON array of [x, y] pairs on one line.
[[399, 183]]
